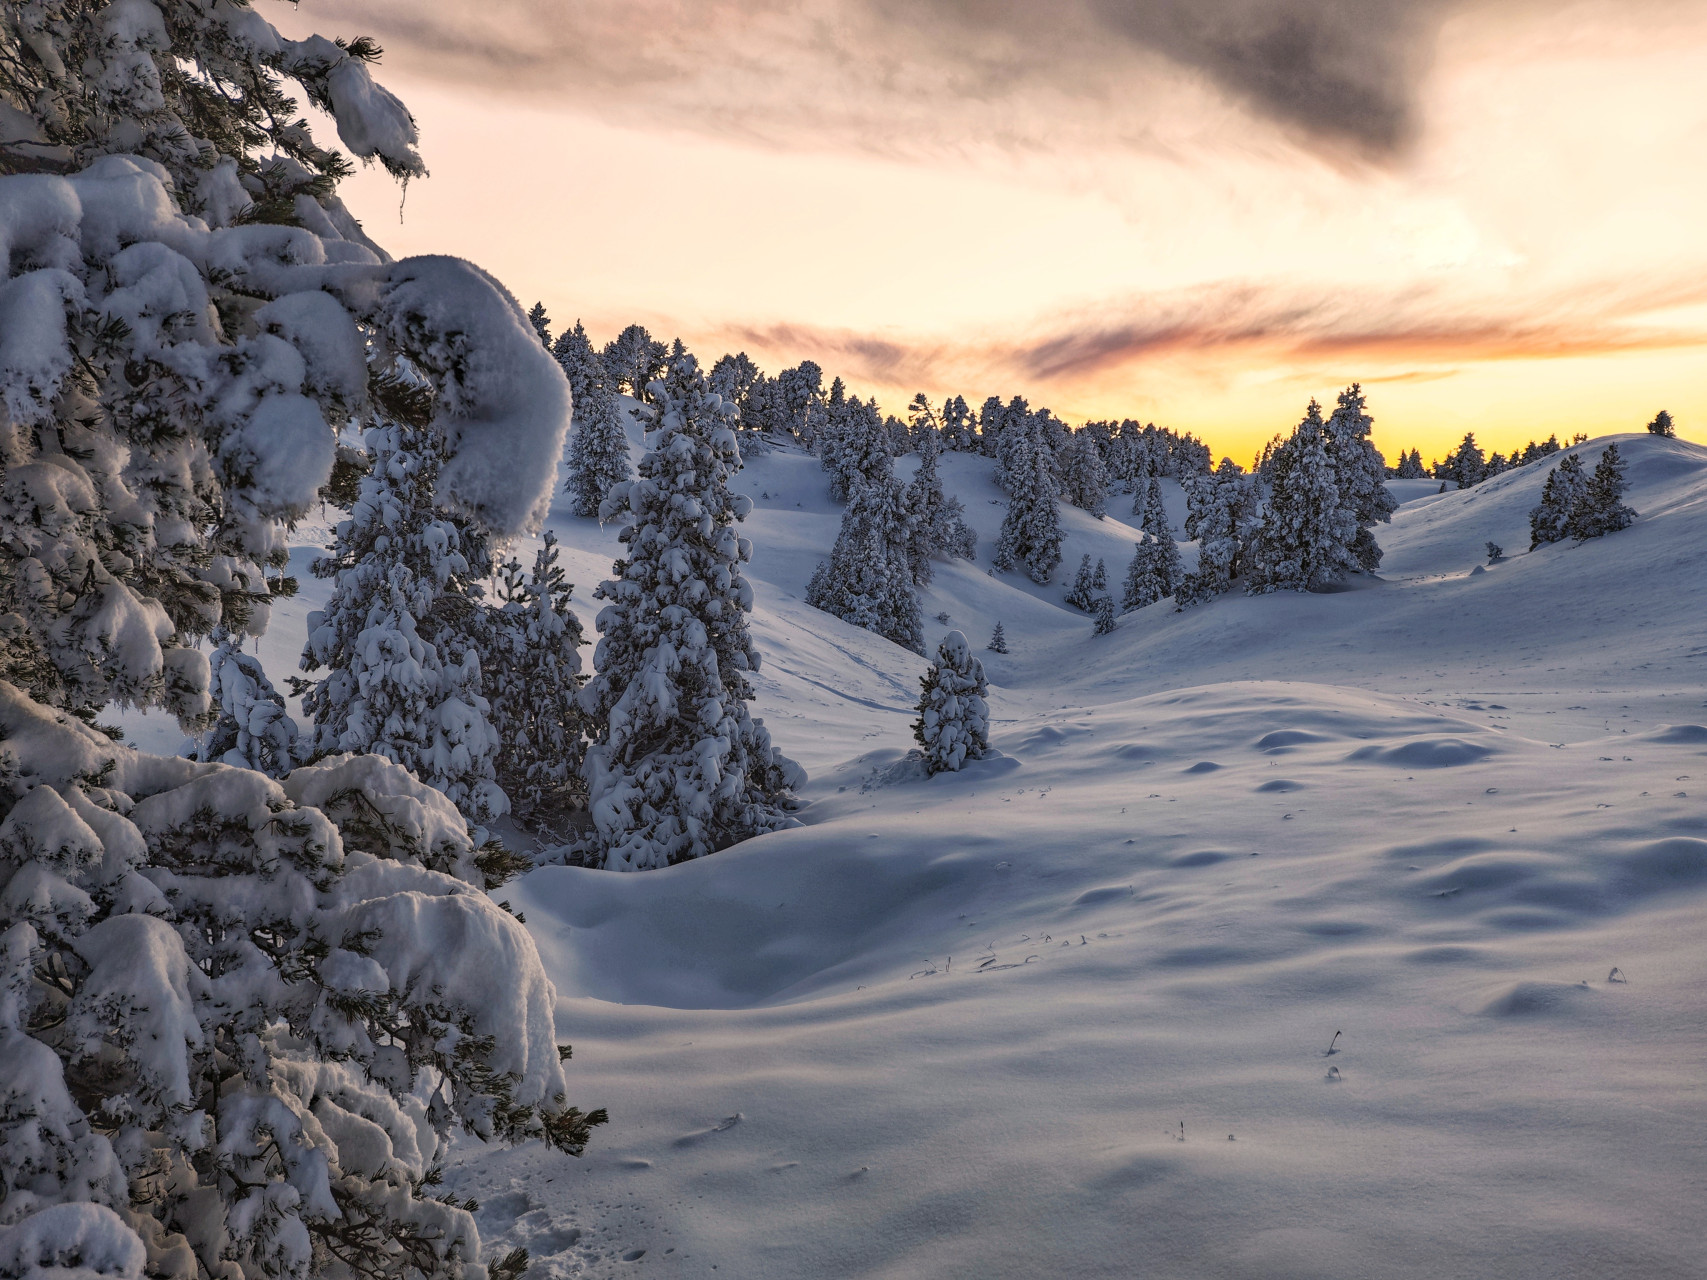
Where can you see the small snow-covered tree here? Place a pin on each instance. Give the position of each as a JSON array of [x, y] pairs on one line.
[[998, 641], [1602, 509], [959, 427], [1410, 466], [990, 416], [1306, 537], [1224, 512], [397, 634], [1084, 479], [1088, 583], [954, 715], [800, 402], [937, 522], [868, 579], [1662, 425], [1154, 574], [541, 323], [680, 767], [1031, 530], [1360, 472], [531, 663], [633, 360], [253, 729], [1562, 496], [598, 449], [1018, 435], [1467, 466], [1103, 615], [1152, 514]]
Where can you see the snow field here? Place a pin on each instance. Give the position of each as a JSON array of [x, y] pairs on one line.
[[952, 1026]]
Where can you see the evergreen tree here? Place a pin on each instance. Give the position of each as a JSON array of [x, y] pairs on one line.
[[1224, 514], [921, 421], [1154, 574], [868, 579], [1084, 479], [680, 768], [1410, 466], [253, 730], [998, 641], [1082, 594], [954, 717], [1602, 509], [398, 632], [959, 427], [1103, 615], [1307, 535], [801, 401], [1020, 434], [633, 360], [1031, 530], [533, 680], [1360, 472], [598, 442], [541, 324], [1153, 518], [1662, 425], [1467, 467], [1553, 518], [582, 365], [990, 416], [937, 522]]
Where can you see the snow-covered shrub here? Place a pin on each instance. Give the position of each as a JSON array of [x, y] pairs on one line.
[[954, 718], [680, 767], [236, 1029]]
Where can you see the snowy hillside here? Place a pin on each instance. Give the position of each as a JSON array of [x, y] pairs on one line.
[[953, 1027]]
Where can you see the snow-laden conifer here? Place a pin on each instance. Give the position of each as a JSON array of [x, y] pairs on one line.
[[1088, 583], [1154, 574], [1084, 479], [1662, 425], [679, 767], [398, 635], [1018, 436], [1103, 615], [1562, 496], [1602, 509], [252, 727], [632, 360], [541, 323], [1306, 536], [1153, 514], [998, 640], [1224, 512], [598, 449], [1410, 466], [1360, 472], [800, 402], [990, 415], [954, 715], [959, 426], [1467, 465], [531, 663], [1031, 530], [937, 522], [868, 579]]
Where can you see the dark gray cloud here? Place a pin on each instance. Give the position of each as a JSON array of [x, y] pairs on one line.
[[1340, 74]]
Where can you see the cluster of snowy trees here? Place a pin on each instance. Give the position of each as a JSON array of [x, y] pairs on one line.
[[1579, 505], [1467, 465], [242, 1015]]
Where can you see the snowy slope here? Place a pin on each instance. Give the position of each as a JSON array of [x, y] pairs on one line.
[[952, 1026]]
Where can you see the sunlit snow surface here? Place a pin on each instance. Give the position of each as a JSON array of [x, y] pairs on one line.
[[954, 1026]]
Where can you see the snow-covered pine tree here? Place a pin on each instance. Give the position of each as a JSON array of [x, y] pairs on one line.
[[1410, 466], [1153, 518], [581, 364], [679, 767], [1602, 509], [921, 421], [1031, 530], [1103, 615], [1562, 495], [1360, 472], [1084, 479], [998, 641], [541, 323], [1306, 536], [398, 634], [1019, 433], [1662, 425], [598, 444], [531, 663], [959, 427], [633, 360], [1082, 594], [1224, 513], [868, 579], [1467, 466], [954, 715], [1144, 583], [253, 729], [225, 1001], [801, 401], [853, 436], [241, 1019], [937, 522]]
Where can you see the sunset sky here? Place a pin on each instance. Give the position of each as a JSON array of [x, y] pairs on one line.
[[1197, 212]]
